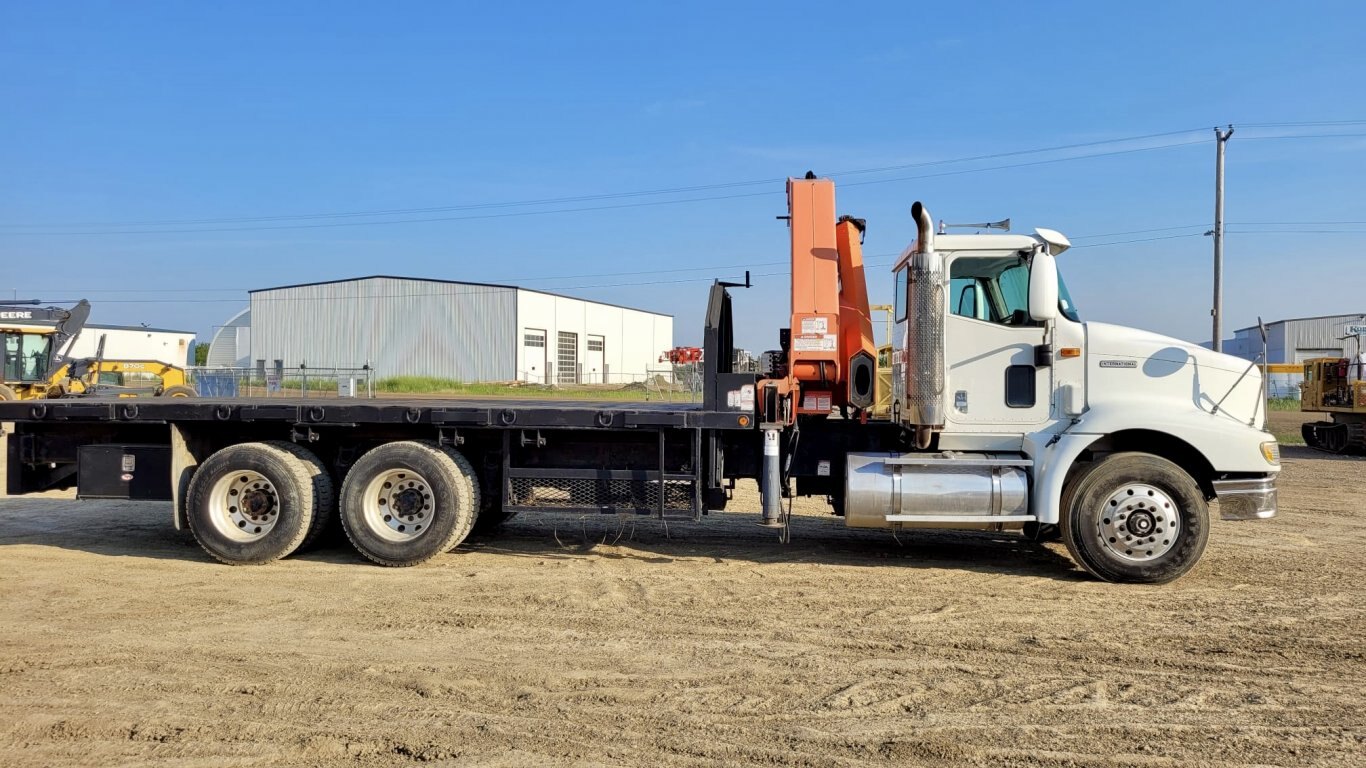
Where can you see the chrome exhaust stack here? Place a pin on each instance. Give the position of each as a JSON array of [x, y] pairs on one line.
[[924, 355]]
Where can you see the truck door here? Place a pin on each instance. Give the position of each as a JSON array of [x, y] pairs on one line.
[[992, 383]]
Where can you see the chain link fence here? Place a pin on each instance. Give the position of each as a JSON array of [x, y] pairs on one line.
[[301, 382]]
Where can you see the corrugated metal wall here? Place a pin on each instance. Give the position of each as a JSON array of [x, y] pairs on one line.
[[231, 344], [1314, 337], [401, 327], [1294, 341]]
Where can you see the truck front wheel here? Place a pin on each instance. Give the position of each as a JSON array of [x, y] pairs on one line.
[[254, 503], [406, 502], [1135, 518]]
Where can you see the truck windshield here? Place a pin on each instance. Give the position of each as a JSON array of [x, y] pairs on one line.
[[1065, 305], [996, 289]]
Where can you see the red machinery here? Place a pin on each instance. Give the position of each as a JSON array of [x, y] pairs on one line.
[[682, 355]]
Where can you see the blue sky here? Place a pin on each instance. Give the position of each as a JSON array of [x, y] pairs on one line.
[[118, 113]]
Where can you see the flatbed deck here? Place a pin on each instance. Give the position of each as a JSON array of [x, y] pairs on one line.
[[455, 412]]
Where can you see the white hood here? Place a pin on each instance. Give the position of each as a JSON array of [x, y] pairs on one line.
[[1132, 363]]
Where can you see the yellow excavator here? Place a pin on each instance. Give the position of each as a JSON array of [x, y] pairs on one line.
[[1336, 386], [34, 366]]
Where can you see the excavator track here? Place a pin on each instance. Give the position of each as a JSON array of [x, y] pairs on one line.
[[1345, 434]]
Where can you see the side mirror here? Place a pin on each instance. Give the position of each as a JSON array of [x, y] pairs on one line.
[[1043, 287]]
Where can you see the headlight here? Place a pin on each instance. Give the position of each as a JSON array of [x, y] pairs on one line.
[[1271, 452]]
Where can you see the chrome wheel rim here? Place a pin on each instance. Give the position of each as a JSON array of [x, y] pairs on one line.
[[244, 506], [398, 505], [1139, 523]]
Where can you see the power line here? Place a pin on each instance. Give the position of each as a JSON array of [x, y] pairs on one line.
[[618, 206], [716, 268], [1306, 123], [720, 268], [1307, 136], [1290, 223], [614, 195], [1135, 232], [1300, 231], [654, 192], [1139, 240]]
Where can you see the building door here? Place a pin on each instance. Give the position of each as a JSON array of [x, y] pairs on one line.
[[567, 359], [533, 356], [595, 362]]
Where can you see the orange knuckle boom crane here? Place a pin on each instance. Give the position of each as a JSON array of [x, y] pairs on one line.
[[830, 354]]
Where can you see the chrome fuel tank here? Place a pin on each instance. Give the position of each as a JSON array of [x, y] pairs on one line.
[[975, 491]]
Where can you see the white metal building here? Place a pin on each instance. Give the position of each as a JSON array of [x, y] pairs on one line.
[[1298, 339], [231, 344], [447, 329], [130, 342], [133, 342]]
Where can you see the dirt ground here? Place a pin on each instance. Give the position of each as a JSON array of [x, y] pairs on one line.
[[569, 642], [1285, 425]]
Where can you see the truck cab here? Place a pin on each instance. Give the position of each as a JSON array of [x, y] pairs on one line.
[[1023, 415]]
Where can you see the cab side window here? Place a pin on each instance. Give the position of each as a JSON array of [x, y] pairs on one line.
[[969, 297], [994, 289]]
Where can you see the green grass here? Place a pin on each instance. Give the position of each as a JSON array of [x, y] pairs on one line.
[[1283, 404], [314, 385], [429, 385]]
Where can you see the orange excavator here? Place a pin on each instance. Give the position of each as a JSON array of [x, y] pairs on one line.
[[828, 359]]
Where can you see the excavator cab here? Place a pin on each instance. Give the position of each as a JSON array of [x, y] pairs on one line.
[[27, 355]]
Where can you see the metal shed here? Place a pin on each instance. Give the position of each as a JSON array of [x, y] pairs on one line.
[[454, 330], [1297, 339]]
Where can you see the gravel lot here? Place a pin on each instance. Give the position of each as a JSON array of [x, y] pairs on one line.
[[589, 642]]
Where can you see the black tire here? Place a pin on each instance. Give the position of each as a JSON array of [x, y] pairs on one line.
[[434, 513], [491, 518], [293, 496], [1117, 512], [179, 390], [8, 394], [326, 508], [1041, 532]]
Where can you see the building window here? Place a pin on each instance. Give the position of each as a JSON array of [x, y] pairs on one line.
[[595, 344], [534, 339]]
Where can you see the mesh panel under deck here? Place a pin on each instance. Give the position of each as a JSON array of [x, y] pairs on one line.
[[564, 493]]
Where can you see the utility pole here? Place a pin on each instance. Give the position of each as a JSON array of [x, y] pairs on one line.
[[1221, 138]]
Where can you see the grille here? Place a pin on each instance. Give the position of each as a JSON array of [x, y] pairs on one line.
[[641, 496]]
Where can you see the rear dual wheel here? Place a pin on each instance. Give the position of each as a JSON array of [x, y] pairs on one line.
[[254, 503], [406, 502]]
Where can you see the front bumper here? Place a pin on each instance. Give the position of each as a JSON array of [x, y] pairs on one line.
[[1249, 498]]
